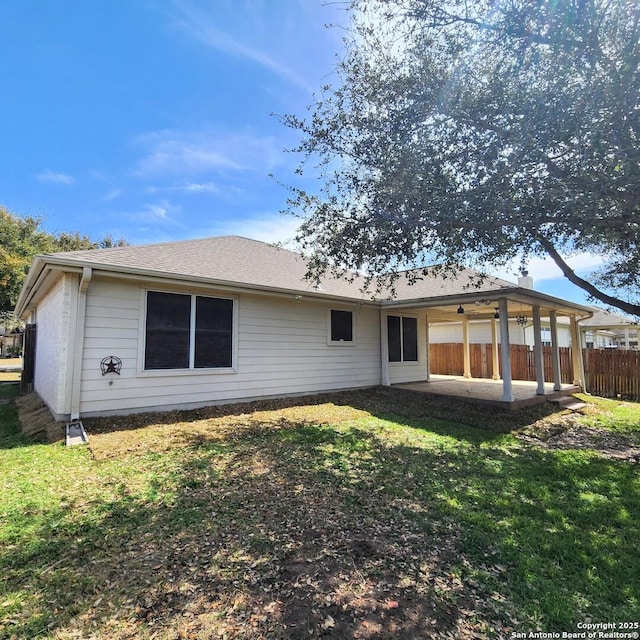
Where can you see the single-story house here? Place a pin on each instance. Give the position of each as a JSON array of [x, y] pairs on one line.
[[609, 330], [216, 320]]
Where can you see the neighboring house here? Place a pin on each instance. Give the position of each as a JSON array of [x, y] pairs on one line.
[[10, 342], [520, 332], [607, 330], [601, 330], [198, 322]]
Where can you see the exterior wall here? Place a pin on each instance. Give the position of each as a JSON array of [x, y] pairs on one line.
[[480, 333], [55, 318], [411, 371], [282, 349]]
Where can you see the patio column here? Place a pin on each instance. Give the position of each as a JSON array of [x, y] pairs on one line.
[[626, 338], [555, 352], [427, 361], [507, 391], [576, 354], [495, 364], [537, 350], [466, 354], [384, 350]]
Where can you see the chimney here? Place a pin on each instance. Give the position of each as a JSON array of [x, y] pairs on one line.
[[525, 280]]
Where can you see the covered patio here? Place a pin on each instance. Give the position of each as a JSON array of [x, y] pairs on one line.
[[495, 307]]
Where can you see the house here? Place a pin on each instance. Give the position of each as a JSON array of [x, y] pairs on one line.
[[608, 330], [602, 330], [10, 342], [216, 320]]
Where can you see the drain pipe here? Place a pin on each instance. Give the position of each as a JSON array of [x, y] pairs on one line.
[[85, 280]]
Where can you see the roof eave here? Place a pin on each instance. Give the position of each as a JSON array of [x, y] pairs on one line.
[[138, 273], [518, 294]]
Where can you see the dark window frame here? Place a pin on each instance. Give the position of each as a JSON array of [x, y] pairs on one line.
[[339, 333], [205, 341], [402, 339], [334, 316]]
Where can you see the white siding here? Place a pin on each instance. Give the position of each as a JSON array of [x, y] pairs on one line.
[[282, 350], [55, 317], [480, 333]]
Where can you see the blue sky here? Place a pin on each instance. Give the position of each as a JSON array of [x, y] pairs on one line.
[[152, 120]]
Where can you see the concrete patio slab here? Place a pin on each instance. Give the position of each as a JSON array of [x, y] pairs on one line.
[[489, 392]]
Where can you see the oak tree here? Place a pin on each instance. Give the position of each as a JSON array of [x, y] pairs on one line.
[[478, 133]]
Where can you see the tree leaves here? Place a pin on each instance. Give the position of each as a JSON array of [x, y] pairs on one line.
[[465, 134], [21, 239]]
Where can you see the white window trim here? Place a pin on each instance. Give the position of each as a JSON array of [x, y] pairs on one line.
[[191, 371], [341, 343]]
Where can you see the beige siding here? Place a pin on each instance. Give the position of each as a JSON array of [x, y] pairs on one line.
[[55, 317], [281, 350]]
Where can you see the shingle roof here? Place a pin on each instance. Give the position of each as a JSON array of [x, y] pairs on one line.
[[240, 261], [604, 318]]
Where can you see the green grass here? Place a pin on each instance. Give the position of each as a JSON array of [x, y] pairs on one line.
[[302, 528], [615, 415]]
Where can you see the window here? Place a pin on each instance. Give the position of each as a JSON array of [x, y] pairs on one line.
[[402, 334], [341, 326], [188, 332]]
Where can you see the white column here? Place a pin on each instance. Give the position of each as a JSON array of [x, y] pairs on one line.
[[507, 391], [466, 354], [626, 338], [384, 350], [427, 360], [576, 354], [555, 352], [537, 350], [494, 350]]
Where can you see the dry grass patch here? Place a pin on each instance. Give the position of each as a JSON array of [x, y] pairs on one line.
[[157, 432]]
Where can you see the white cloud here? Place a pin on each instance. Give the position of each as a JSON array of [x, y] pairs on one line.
[[203, 27], [55, 177], [192, 153], [113, 194], [161, 213], [266, 227], [546, 269], [188, 188]]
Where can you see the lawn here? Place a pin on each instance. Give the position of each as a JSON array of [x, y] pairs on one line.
[[376, 514]]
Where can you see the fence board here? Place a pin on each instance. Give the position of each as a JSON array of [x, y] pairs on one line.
[[28, 359], [612, 374], [608, 373], [447, 359]]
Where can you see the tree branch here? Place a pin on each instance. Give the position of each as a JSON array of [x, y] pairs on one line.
[[593, 291]]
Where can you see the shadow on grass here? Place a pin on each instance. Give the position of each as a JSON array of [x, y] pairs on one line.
[[311, 530], [383, 402], [10, 433]]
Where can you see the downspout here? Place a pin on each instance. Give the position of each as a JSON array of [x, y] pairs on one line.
[[78, 346]]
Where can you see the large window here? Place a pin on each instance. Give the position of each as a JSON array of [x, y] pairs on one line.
[[402, 334], [188, 332], [341, 326]]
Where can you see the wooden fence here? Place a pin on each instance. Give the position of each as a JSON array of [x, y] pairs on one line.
[[28, 359], [448, 359], [608, 373], [612, 374]]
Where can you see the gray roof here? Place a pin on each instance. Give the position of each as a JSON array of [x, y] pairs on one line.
[[245, 262], [604, 318]]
